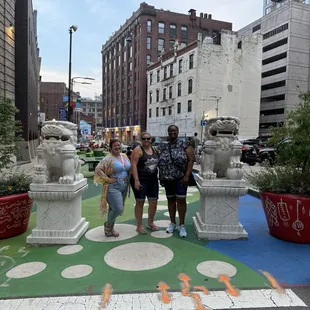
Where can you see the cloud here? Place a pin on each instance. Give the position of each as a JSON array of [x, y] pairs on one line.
[[55, 75]]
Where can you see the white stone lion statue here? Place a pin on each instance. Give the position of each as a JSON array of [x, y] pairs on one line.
[[57, 158], [221, 150]]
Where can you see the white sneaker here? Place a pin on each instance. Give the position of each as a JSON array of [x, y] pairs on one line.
[[182, 231], [171, 228]]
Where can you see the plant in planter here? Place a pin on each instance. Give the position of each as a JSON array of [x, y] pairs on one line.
[[15, 204], [285, 187]]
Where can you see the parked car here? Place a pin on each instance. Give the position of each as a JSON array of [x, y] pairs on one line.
[[249, 154]]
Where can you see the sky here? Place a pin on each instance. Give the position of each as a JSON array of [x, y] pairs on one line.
[[97, 19]]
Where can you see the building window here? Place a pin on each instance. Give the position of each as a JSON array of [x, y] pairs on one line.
[[183, 32], [158, 76], [161, 27], [148, 43], [183, 44], [151, 97], [171, 70], [171, 44], [157, 95], [189, 106], [180, 65], [165, 94], [151, 78], [130, 51], [165, 73], [190, 86], [164, 111], [160, 45], [150, 113], [173, 30], [179, 108], [148, 60], [130, 66], [170, 92], [191, 61], [179, 89], [149, 25], [170, 110]]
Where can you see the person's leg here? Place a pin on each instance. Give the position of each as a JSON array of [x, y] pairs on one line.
[[152, 194], [181, 192], [171, 196], [140, 199]]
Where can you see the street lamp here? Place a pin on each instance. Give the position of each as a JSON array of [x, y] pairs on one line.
[[217, 104], [71, 29]]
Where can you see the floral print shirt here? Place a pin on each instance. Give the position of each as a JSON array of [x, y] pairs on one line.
[[175, 168]]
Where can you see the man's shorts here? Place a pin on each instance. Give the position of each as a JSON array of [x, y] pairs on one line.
[[149, 189], [174, 188]]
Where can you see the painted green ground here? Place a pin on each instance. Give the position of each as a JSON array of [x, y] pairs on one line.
[[187, 254]]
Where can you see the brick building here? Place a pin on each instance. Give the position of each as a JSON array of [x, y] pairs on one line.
[[131, 49]]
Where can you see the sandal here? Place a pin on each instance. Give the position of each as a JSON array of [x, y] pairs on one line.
[[152, 227], [141, 231], [109, 231]]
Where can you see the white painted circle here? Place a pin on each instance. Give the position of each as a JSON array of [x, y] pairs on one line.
[[69, 249], [162, 223], [161, 234], [167, 214], [146, 205], [163, 198], [192, 189], [161, 208], [26, 270], [215, 268], [139, 256], [189, 194], [145, 216], [126, 231], [77, 271]]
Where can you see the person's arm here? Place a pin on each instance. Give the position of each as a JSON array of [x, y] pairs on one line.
[[135, 156], [190, 162]]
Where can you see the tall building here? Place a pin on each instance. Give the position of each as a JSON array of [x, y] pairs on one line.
[[131, 49], [94, 108], [7, 49], [204, 80], [270, 5], [286, 60], [27, 74]]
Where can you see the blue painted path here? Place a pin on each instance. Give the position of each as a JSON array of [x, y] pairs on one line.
[[288, 262]]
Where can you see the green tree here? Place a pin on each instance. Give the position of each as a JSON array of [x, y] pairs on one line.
[[9, 132]]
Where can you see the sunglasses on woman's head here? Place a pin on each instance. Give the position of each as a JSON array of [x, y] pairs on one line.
[[146, 138]]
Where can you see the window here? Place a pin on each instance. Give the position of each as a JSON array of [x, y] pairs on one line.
[[165, 73], [274, 45], [170, 92], [179, 108], [180, 65], [158, 76], [130, 66], [191, 61], [164, 111], [275, 31], [171, 70], [130, 51], [150, 113], [173, 30], [184, 32], [171, 44], [148, 60], [183, 44], [165, 94], [160, 45], [179, 89], [149, 26], [148, 43], [190, 86], [151, 78], [151, 97], [157, 95], [268, 10], [256, 28], [189, 106], [161, 27], [170, 110], [157, 112]]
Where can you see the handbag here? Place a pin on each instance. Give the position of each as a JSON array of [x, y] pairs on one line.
[[191, 180]]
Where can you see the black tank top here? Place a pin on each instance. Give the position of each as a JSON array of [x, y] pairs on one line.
[[147, 165]]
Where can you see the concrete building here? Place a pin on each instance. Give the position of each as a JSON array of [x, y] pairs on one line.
[[206, 79], [93, 108], [271, 5], [131, 49], [7, 49], [286, 60], [27, 75]]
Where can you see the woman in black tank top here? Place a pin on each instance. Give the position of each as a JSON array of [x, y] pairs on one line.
[[144, 181]]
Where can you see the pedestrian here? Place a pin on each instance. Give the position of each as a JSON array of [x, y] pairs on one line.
[[176, 160], [113, 172], [144, 181]]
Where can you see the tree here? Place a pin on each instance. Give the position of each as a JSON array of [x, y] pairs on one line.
[[9, 132]]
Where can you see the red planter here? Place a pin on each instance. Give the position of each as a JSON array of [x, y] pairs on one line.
[[288, 216], [14, 214]]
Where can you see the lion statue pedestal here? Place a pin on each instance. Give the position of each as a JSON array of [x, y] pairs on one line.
[[220, 182], [57, 187]]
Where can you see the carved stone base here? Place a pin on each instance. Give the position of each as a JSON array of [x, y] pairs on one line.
[[219, 204], [59, 210]]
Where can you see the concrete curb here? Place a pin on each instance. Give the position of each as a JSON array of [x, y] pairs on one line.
[[253, 192]]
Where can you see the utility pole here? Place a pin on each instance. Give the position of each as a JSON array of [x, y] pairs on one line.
[[202, 119]]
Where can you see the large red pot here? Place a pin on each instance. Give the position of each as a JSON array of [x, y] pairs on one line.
[[14, 214], [288, 216]]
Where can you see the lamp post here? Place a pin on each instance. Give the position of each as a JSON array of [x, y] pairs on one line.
[[71, 29], [217, 104]]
